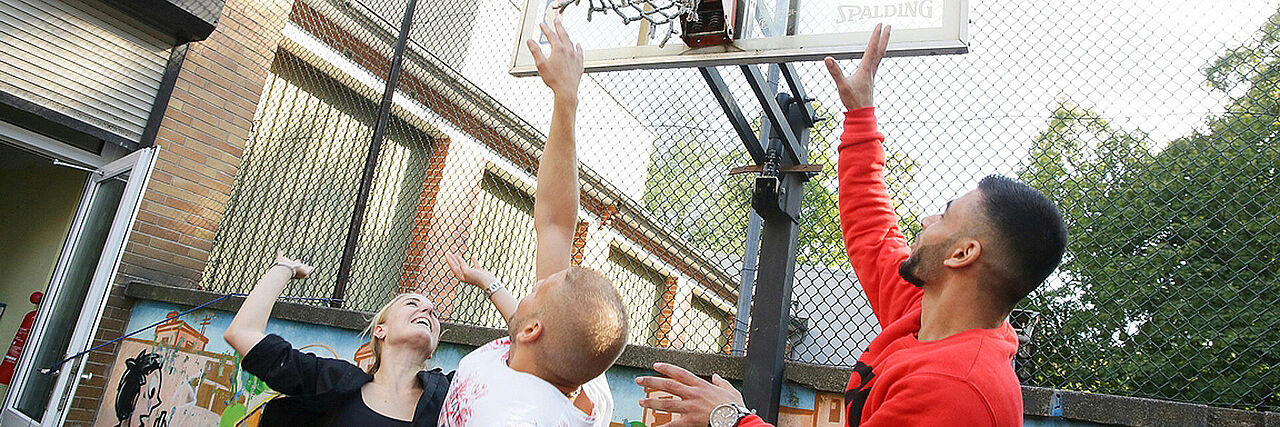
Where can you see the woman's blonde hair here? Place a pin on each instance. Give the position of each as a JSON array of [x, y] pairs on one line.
[[379, 318]]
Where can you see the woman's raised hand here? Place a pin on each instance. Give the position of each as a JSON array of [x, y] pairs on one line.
[[300, 269]]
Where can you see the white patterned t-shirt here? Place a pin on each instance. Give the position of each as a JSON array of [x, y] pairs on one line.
[[486, 392]]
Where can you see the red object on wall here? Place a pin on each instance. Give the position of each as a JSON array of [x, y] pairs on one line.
[[19, 340]]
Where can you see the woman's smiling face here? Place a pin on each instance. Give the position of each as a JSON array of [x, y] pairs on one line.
[[411, 321]]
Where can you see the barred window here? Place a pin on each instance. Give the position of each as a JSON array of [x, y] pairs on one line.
[[297, 187], [705, 326], [642, 288], [502, 240]]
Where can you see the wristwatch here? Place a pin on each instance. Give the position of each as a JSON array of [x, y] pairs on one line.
[[728, 415], [495, 287]]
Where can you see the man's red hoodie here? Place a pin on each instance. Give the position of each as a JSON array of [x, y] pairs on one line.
[[965, 379]]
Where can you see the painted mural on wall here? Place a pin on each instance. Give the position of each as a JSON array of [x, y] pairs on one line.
[[183, 374]]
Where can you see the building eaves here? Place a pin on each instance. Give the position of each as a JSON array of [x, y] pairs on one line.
[[446, 92]]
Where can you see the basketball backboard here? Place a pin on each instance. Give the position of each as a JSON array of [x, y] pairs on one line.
[[615, 37]]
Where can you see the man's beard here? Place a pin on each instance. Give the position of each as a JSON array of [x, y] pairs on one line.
[[908, 270], [919, 265]]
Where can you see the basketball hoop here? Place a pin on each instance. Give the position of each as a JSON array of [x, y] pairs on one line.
[[733, 32], [657, 12]]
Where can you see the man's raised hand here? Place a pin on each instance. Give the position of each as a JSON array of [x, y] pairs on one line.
[[467, 272], [561, 68], [856, 90]]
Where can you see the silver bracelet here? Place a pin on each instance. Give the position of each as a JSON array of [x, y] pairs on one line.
[[495, 287], [292, 272]]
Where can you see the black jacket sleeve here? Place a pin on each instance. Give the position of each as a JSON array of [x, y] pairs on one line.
[[435, 387], [295, 373]]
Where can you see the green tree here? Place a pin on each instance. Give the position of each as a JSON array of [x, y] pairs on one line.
[[1169, 286], [687, 188]]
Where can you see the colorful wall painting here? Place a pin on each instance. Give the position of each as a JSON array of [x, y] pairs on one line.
[[181, 373]]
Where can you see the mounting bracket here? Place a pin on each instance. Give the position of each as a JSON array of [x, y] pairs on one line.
[[777, 196]]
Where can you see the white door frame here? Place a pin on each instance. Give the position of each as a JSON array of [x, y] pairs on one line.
[[49, 147], [139, 165]]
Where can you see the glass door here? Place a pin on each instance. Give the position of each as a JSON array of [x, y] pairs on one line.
[[41, 389]]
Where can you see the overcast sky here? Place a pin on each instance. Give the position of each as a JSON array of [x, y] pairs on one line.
[[961, 117]]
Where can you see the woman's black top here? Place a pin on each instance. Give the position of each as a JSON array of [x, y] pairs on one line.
[[356, 413], [319, 391]]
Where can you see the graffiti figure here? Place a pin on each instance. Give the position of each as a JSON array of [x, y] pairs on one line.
[[135, 376]]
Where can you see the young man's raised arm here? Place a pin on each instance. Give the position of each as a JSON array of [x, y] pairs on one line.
[[555, 203], [872, 240], [468, 272]]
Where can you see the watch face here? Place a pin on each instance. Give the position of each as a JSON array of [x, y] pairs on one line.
[[724, 416]]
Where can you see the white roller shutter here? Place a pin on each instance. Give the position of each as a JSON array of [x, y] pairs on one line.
[[85, 65]]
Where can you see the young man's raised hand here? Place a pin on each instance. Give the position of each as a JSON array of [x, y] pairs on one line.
[[555, 201], [856, 90], [468, 272], [561, 67]]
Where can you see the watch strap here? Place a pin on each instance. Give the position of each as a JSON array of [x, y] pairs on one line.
[[495, 287], [742, 412]]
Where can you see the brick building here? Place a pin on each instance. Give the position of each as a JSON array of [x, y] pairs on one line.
[[88, 137]]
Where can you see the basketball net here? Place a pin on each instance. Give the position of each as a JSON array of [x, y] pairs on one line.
[[657, 12]]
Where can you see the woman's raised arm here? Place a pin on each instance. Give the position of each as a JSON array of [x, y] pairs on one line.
[[250, 324]]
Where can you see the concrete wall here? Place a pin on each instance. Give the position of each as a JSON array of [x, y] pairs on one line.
[[808, 396], [40, 202], [225, 395]]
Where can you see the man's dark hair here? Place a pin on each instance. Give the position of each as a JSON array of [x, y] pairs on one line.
[[1029, 229]]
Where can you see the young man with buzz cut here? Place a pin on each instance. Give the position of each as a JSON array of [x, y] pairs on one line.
[[572, 326], [944, 353]]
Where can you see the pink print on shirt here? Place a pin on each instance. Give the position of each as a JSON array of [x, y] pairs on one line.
[[457, 407]]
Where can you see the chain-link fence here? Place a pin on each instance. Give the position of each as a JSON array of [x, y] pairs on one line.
[[1151, 124]]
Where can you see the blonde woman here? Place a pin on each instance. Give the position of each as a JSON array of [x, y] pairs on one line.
[[397, 390]]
